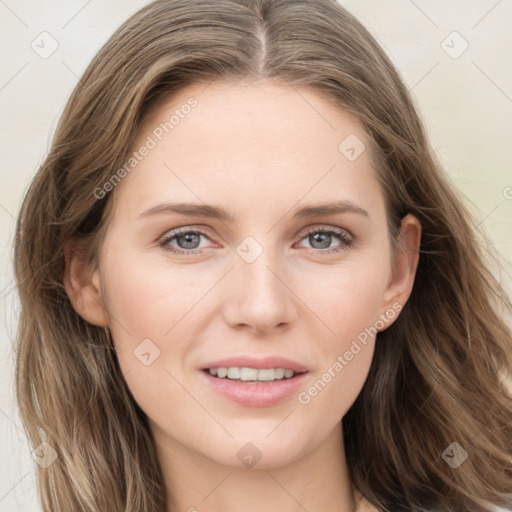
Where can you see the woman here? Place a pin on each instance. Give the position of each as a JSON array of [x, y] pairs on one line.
[[246, 282]]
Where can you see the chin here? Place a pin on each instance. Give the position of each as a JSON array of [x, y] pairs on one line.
[[256, 452]]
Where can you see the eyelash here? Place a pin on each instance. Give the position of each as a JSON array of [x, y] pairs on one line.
[[347, 241]]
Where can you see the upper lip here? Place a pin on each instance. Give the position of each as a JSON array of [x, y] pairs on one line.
[[255, 362]]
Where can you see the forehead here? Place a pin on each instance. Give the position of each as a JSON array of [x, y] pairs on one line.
[[237, 141], [273, 111]]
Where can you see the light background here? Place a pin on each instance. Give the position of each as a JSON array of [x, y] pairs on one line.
[[466, 104]]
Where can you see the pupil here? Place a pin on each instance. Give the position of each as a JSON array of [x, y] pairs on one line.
[[323, 238], [189, 244]]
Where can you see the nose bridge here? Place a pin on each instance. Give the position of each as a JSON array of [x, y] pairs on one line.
[[258, 297]]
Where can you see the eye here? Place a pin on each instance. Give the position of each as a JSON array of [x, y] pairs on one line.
[[187, 241], [321, 239]]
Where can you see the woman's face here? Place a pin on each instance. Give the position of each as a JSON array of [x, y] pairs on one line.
[[252, 228]]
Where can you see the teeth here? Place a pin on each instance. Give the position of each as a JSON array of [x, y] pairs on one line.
[[281, 372], [233, 373], [246, 374], [220, 372]]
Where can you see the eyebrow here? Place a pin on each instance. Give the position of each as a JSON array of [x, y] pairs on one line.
[[216, 212]]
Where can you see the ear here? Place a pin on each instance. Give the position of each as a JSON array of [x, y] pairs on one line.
[[404, 267], [82, 283]]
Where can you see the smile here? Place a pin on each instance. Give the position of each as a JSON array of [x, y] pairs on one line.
[[252, 374], [251, 392]]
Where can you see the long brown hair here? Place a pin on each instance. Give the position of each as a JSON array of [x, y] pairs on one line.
[[439, 374]]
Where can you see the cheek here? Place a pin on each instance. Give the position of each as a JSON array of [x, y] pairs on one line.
[[349, 308], [147, 299], [348, 300], [152, 328], [149, 307]]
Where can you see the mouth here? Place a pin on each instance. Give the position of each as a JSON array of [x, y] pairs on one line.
[[254, 387], [252, 375]]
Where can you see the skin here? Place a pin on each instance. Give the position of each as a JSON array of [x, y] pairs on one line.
[[260, 151]]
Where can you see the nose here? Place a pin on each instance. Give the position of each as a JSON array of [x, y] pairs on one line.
[[259, 296]]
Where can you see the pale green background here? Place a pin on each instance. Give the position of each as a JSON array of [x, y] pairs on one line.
[[466, 104]]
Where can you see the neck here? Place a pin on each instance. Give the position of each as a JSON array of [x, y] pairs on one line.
[[314, 481]]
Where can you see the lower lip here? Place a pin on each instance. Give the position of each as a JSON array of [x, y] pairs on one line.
[[256, 394]]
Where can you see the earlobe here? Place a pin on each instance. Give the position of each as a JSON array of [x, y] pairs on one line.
[[405, 265], [83, 285]]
